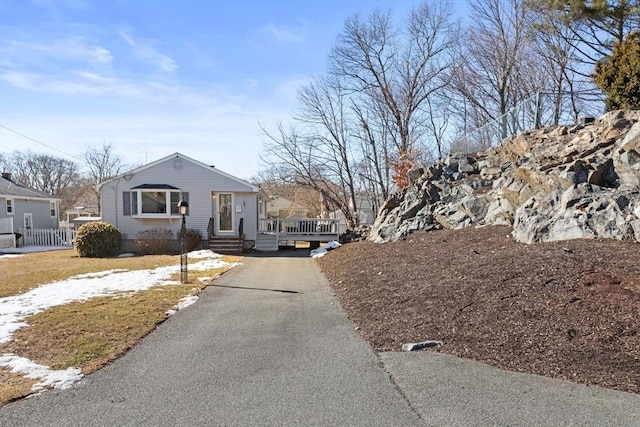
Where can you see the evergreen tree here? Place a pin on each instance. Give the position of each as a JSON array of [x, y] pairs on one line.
[[618, 75]]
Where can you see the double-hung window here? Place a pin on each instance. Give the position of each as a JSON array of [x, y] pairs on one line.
[[153, 201], [10, 210], [53, 211]]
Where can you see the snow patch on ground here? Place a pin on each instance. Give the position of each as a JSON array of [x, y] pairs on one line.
[[49, 377], [126, 255], [322, 250], [205, 253], [184, 303], [82, 287]]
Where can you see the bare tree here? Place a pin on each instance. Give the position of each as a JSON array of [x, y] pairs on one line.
[[46, 173], [316, 154], [43, 172], [101, 164], [398, 68], [498, 68], [370, 111]]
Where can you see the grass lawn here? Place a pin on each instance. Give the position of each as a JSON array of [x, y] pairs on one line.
[[86, 334]]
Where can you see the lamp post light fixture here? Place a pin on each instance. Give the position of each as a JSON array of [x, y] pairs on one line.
[[182, 209]]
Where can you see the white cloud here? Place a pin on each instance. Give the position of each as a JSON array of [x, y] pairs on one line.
[[284, 34], [51, 6], [201, 59], [75, 49], [74, 83], [144, 49], [289, 89], [251, 83], [102, 55]]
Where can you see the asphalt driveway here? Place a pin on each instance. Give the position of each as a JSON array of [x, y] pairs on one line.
[[267, 344]]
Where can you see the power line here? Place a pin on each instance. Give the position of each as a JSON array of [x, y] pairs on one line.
[[41, 143]]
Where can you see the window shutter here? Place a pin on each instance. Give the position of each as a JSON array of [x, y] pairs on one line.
[[126, 203]]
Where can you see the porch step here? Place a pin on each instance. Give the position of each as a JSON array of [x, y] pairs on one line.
[[226, 245], [266, 242]]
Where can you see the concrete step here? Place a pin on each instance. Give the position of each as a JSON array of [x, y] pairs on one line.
[[226, 245]]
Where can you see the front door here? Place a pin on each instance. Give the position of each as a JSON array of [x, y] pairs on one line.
[[225, 213]]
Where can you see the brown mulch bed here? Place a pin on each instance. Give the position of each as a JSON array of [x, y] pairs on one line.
[[568, 310]]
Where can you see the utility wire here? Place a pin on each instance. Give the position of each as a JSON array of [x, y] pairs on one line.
[[41, 143]]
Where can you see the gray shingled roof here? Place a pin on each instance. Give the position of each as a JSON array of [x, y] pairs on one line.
[[15, 189]]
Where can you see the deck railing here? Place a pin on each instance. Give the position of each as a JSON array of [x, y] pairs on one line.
[[47, 237], [299, 226]]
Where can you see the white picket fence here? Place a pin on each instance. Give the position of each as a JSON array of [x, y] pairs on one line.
[[46, 237]]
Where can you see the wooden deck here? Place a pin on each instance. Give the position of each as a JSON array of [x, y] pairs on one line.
[[272, 231]]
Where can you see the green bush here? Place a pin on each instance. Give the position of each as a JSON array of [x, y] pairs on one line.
[[97, 239], [194, 239], [154, 241]]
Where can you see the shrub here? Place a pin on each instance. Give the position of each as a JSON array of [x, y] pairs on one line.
[[97, 239], [154, 241], [194, 239]]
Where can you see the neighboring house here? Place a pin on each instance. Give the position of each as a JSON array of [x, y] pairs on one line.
[[365, 213], [79, 215], [147, 198], [280, 207], [26, 207]]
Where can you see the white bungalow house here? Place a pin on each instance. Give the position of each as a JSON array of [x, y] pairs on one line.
[[23, 209], [222, 207]]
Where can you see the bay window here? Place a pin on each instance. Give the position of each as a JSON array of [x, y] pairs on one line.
[[153, 201]]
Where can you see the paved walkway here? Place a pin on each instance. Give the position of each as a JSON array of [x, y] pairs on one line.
[[267, 345]]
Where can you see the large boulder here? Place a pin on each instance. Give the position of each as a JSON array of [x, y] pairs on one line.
[[553, 183]]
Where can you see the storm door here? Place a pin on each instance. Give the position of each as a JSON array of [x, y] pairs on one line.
[[28, 221], [225, 212]]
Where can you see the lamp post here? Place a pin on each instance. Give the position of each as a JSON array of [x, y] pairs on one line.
[[182, 209]]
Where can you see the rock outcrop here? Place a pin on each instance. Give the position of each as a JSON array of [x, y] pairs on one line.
[[553, 183]]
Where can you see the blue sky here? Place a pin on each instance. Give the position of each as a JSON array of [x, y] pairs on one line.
[[153, 77]]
